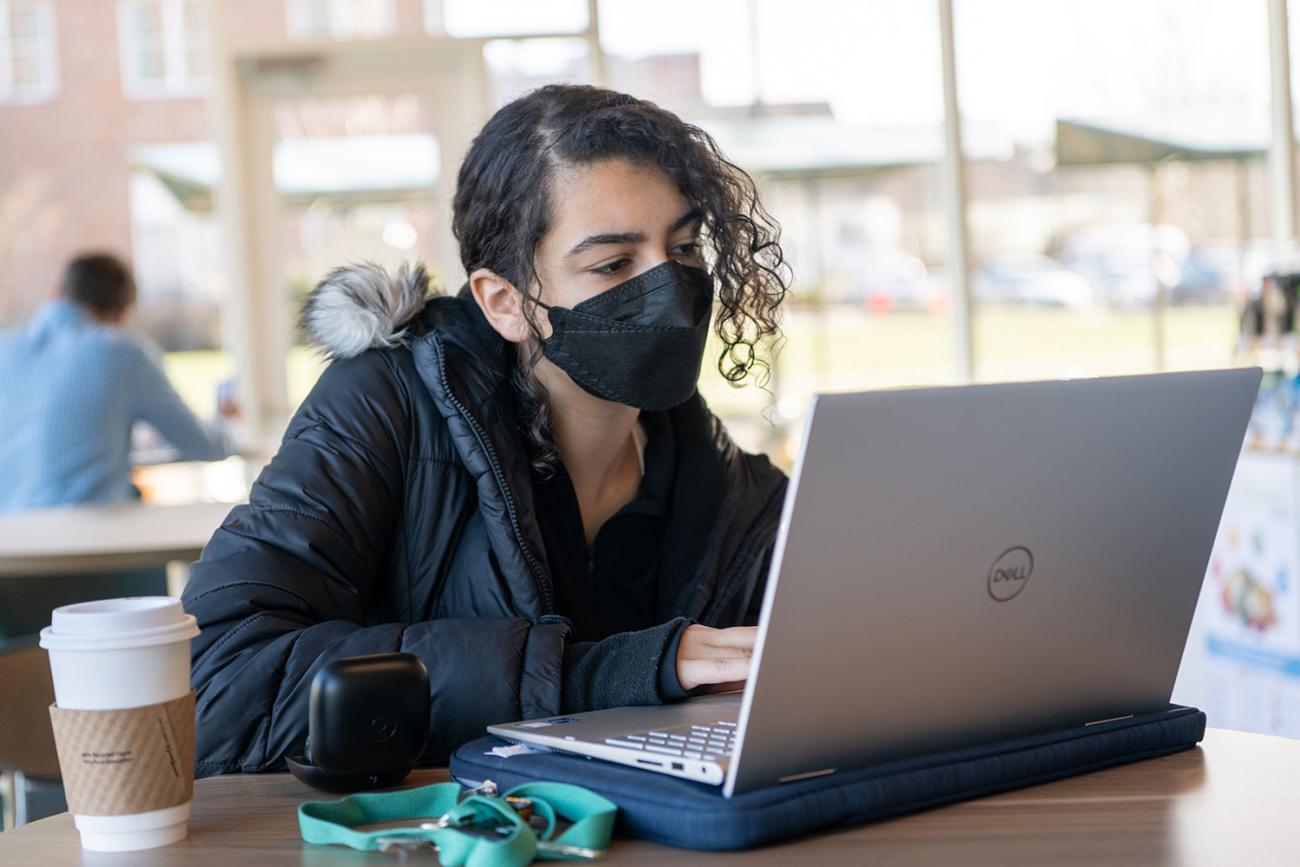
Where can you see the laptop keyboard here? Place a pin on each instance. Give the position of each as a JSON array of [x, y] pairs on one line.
[[708, 742]]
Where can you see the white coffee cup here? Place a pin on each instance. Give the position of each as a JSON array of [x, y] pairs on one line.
[[114, 654]]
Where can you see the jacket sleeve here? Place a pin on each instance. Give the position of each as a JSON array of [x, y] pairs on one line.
[[284, 584], [625, 669]]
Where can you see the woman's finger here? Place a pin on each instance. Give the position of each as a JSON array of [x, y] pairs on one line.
[[717, 651], [694, 672], [736, 636]]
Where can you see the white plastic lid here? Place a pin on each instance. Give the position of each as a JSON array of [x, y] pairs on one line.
[[115, 624]]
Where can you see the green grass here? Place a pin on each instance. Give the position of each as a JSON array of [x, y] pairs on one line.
[[844, 349], [196, 374]]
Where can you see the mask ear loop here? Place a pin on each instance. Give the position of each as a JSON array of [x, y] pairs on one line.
[[537, 338], [537, 299], [527, 298]]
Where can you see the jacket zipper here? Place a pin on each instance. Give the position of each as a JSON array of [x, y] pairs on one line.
[[542, 584]]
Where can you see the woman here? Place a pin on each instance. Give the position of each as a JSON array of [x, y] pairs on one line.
[[519, 484]]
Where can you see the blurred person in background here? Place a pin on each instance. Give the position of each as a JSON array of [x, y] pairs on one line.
[[73, 383]]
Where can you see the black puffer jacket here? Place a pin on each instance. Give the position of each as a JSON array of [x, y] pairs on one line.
[[397, 516]]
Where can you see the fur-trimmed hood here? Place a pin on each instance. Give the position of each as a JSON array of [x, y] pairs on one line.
[[361, 306]]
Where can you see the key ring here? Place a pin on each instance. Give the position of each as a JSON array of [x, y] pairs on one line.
[[479, 825]]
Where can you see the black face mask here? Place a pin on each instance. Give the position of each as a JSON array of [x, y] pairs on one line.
[[639, 343]]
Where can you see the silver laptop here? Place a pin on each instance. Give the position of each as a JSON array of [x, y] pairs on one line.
[[957, 566]]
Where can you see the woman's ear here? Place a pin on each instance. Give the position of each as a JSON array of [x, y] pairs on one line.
[[501, 304]]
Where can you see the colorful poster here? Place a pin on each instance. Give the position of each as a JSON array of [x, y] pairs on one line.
[[1249, 609]]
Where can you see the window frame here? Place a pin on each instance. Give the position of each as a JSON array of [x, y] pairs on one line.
[[177, 81], [338, 16], [47, 89]]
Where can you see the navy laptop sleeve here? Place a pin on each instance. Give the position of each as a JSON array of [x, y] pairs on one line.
[[695, 816]]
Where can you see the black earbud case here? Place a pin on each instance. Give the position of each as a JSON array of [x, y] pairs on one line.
[[367, 724]]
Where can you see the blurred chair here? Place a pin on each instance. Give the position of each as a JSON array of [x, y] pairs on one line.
[[26, 601], [29, 766], [27, 755]]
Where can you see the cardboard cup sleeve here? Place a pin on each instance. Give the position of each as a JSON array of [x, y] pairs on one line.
[[120, 762]]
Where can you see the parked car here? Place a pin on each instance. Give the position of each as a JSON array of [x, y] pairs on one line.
[[1123, 263], [1222, 273], [889, 283], [1030, 280], [1206, 278]]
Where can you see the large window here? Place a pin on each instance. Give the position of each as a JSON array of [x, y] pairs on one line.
[[28, 61], [1120, 220], [164, 47], [340, 19]]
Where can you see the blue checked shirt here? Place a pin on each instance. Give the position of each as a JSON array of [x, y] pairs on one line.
[[71, 389]]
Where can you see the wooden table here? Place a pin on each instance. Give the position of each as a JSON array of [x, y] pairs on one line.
[[94, 538], [1235, 800]]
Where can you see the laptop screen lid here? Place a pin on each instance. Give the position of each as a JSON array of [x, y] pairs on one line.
[[958, 565]]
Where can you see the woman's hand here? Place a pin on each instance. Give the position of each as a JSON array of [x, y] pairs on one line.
[[714, 656]]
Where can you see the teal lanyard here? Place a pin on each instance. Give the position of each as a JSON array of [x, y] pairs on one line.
[[501, 836]]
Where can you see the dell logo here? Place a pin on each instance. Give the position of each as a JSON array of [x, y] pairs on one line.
[[1010, 573]]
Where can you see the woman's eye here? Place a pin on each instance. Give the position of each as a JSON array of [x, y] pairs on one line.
[[689, 249], [611, 267]]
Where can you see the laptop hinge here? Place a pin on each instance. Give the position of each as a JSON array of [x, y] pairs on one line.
[[806, 775]]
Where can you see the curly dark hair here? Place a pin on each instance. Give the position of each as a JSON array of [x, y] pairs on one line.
[[502, 209]]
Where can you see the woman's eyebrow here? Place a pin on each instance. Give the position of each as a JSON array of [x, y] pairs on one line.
[[608, 238], [590, 241]]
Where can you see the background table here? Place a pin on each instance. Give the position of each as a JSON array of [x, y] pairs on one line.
[[103, 538], [53, 557], [1234, 800]]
